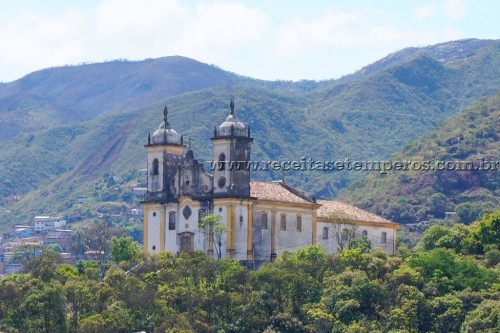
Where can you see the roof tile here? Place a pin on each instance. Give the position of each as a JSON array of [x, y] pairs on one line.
[[276, 191], [340, 210]]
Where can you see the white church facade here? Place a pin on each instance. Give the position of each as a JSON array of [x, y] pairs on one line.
[[262, 218]]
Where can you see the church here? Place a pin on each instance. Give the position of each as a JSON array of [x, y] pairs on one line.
[[262, 219]]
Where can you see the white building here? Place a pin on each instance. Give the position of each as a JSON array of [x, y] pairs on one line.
[[45, 223], [262, 218]]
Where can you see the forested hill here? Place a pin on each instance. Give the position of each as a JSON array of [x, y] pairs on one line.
[[369, 118], [449, 286], [411, 196]]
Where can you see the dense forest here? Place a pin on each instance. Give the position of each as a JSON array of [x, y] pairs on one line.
[[472, 136], [448, 283]]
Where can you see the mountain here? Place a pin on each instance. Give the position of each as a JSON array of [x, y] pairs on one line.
[[412, 196], [366, 119], [71, 94], [454, 52]]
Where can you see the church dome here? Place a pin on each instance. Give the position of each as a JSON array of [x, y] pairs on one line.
[[231, 126], [165, 134]]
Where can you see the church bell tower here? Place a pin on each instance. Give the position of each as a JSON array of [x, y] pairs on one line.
[[231, 156], [164, 149], [164, 153]]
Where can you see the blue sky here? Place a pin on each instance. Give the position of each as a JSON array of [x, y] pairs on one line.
[[268, 39]]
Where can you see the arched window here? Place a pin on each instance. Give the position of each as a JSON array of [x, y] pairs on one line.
[[364, 233], [171, 221], [383, 238], [283, 222], [263, 221], [299, 223], [222, 161], [325, 232], [345, 235], [156, 166]]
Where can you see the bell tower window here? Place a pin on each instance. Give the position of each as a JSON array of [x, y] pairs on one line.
[[156, 166], [222, 162]]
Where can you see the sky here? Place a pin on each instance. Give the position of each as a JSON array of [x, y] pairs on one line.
[[265, 39]]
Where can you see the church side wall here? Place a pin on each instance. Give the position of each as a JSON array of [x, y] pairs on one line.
[[291, 238], [288, 238], [374, 235], [261, 236], [241, 230]]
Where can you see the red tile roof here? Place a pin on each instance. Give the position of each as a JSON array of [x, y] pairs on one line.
[[277, 191], [280, 192], [338, 210]]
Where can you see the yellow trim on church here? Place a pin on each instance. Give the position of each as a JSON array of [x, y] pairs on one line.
[[250, 232], [145, 228], [162, 229], [177, 150]]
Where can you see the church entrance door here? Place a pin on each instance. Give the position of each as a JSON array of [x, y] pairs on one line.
[[187, 242]]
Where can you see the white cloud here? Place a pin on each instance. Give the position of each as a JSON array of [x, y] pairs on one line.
[[129, 29], [35, 41], [450, 33], [265, 42], [424, 11], [454, 9], [213, 30], [360, 30]]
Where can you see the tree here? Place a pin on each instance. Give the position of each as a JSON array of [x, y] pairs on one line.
[[123, 248], [446, 313], [486, 318], [344, 231], [284, 322], [487, 231], [362, 243], [44, 265], [78, 246], [351, 295], [78, 295], [55, 248], [43, 310], [468, 212], [212, 224], [456, 238]]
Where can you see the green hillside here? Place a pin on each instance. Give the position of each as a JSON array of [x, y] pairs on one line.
[[365, 119], [412, 196]]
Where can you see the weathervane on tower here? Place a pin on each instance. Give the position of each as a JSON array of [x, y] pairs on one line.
[[165, 115]]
